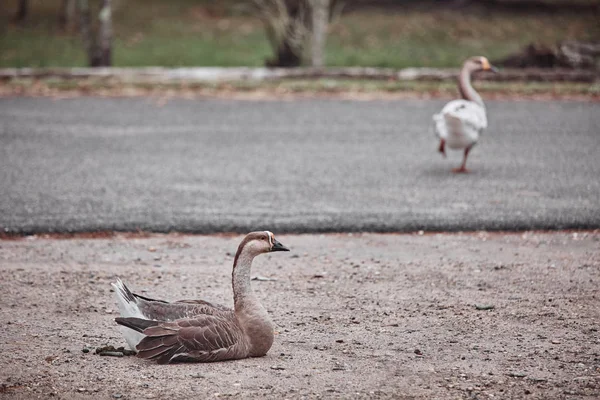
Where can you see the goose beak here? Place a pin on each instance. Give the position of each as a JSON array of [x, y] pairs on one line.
[[278, 246], [486, 66]]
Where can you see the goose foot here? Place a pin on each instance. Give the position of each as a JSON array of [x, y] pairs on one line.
[[460, 170], [463, 167], [442, 148]]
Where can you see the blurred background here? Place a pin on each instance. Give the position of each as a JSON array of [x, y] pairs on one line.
[[288, 33]]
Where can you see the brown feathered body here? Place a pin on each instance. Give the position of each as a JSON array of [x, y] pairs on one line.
[[199, 331]]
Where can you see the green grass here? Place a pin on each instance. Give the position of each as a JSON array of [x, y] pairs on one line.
[[208, 33], [446, 38]]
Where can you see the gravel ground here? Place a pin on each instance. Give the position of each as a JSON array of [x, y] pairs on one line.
[[433, 316]]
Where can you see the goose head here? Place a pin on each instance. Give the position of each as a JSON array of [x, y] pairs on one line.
[[256, 243], [479, 64]]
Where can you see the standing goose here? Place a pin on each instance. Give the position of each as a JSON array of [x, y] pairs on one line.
[[462, 121], [198, 331]]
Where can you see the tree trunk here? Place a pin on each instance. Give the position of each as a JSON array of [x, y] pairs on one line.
[[286, 56], [22, 11], [66, 14], [87, 34], [287, 23], [320, 19], [105, 18]]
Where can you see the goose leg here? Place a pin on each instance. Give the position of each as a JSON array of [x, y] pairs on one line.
[[463, 166], [442, 148]]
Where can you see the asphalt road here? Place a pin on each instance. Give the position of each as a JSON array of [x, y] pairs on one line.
[[204, 166]]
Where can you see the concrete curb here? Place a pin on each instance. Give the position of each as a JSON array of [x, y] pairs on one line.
[[218, 74]]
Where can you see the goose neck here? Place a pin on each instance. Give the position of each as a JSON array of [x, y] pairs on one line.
[[242, 289], [466, 88]]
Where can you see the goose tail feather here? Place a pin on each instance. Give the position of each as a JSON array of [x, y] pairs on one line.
[[129, 310], [137, 324], [126, 300]]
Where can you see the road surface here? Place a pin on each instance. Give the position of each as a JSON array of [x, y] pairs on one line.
[[208, 165]]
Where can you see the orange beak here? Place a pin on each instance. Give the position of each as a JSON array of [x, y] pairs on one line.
[[485, 64]]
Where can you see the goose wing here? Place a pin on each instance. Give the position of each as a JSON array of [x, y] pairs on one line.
[[164, 311], [460, 117], [205, 338], [135, 305]]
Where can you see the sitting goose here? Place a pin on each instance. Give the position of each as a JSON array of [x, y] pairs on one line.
[[462, 121], [198, 331]]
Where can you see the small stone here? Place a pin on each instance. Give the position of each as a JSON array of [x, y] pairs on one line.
[[81, 390], [339, 341], [277, 367], [517, 374], [555, 341], [151, 249], [85, 350], [263, 278], [418, 352], [484, 306], [117, 395], [538, 380]]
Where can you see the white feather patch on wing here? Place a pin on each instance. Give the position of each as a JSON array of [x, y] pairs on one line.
[[128, 308]]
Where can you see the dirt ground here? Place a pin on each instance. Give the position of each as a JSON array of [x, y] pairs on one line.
[[433, 316]]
